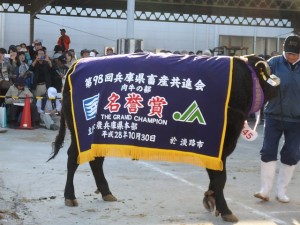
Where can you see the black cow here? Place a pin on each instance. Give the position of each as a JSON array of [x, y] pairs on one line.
[[238, 111]]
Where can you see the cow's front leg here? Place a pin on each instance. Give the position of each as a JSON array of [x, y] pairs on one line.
[[70, 199], [101, 182], [216, 194]]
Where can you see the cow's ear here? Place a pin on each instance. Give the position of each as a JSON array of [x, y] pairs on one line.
[[264, 69]]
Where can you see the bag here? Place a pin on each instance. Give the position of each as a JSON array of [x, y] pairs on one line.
[[3, 118]]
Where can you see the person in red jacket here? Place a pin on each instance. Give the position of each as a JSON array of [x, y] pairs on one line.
[[64, 40]]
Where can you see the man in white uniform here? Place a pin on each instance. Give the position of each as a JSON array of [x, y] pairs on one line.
[[49, 108]]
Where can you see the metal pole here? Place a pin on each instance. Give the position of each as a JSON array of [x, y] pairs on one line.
[[31, 32], [130, 18]]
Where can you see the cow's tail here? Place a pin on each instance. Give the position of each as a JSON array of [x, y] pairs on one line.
[[60, 137]]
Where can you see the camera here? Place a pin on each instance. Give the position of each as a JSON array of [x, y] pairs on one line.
[[42, 57]]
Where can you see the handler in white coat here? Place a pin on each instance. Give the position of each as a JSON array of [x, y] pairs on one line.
[[49, 109]]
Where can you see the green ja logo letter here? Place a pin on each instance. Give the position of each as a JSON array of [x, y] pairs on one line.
[[191, 114]]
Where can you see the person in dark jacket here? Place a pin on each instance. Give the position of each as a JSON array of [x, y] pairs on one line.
[[15, 99], [42, 70], [282, 118]]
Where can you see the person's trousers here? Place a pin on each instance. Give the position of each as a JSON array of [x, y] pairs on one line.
[[290, 152]]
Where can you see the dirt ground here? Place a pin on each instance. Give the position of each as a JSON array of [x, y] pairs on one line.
[[150, 193]]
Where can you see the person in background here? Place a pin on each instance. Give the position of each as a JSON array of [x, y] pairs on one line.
[[15, 99], [58, 51], [60, 69], [33, 49], [69, 58], [96, 53], [84, 53], [74, 57], [274, 53], [23, 69], [4, 61], [49, 109], [42, 70], [109, 51], [4, 80], [92, 54], [282, 117], [207, 52], [27, 55], [64, 40], [12, 67]]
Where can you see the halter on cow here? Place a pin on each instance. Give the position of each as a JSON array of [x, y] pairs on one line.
[[237, 111]]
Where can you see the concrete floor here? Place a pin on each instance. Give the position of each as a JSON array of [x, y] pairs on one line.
[[151, 193]]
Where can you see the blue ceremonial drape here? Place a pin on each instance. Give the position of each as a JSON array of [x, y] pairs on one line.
[[151, 106]]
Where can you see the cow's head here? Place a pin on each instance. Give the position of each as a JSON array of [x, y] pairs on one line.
[[269, 82]]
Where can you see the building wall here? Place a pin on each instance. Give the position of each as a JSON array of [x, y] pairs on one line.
[[97, 33]]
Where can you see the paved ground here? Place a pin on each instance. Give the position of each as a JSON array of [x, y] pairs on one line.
[[151, 193]]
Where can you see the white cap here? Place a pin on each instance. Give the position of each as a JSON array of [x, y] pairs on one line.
[[92, 54], [206, 52], [38, 40], [52, 92], [56, 55]]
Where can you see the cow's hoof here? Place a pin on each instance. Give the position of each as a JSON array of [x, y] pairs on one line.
[[209, 201], [71, 202], [230, 218], [97, 191], [109, 198], [258, 195]]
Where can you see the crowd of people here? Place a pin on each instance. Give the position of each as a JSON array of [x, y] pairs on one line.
[[31, 72]]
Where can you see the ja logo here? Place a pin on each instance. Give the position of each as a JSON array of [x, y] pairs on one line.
[[191, 114], [90, 106]]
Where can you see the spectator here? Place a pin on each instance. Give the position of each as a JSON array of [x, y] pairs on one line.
[[109, 51], [274, 53], [49, 109], [4, 61], [92, 54], [282, 117], [23, 45], [27, 55], [60, 70], [12, 67], [58, 51], [36, 45], [64, 40], [85, 53], [15, 98], [42, 70], [74, 57], [95, 52], [199, 52], [207, 52], [4, 80], [23, 69], [69, 58], [184, 52]]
